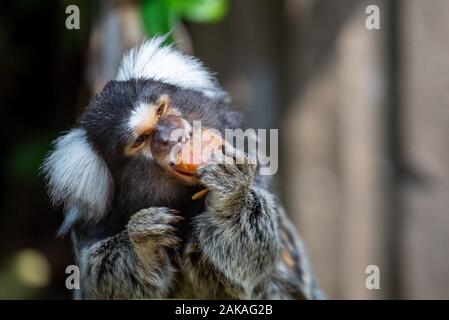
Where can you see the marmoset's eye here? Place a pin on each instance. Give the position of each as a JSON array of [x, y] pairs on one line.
[[160, 110], [164, 103], [140, 140]]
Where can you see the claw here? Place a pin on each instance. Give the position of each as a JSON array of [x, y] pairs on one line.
[[176, 219], [170, 229], [172, 241]]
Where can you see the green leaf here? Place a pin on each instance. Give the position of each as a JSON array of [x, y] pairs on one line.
[[204, 10], [159, 16]]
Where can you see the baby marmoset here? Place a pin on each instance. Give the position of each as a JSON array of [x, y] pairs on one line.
[[135, 229]]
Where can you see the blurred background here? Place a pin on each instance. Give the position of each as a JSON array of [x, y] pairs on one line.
[[363, 118]]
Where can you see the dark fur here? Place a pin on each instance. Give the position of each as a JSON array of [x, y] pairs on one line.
[[229, 245]]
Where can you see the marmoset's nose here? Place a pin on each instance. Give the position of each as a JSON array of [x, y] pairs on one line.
[[170, 130]]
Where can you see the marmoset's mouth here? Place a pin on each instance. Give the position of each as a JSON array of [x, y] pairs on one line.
[[185, 157], [188, 178], [183, 173]]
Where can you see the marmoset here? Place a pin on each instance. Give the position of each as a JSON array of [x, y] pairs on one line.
[[135, 229]]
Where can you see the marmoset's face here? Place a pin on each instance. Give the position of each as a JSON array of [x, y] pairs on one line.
[[135, 126], [158, 129], [142, 122], [119, 153]]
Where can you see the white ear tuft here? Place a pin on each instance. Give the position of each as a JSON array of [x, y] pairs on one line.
[[153, 60], [77, 176]]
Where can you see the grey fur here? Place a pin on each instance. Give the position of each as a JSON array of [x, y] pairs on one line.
[[237, 236], [231, 253], [134, 263]]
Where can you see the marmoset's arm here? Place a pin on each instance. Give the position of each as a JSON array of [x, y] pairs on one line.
[[133, 263], [235, 243]]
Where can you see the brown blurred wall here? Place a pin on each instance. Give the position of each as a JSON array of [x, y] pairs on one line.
[[366, 145], [424, 93]]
